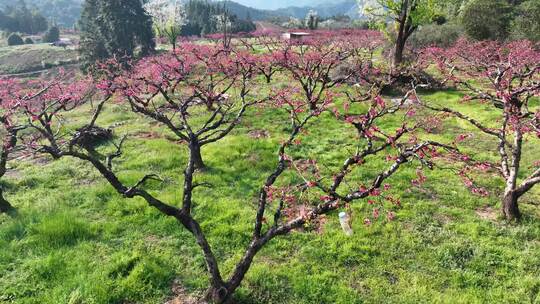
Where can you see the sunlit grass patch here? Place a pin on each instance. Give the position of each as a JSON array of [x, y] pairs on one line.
[[75, 240]]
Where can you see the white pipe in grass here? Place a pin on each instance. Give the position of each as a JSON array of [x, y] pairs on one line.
[[345, 222]]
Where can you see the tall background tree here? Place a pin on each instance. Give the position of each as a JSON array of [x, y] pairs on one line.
[[405, 16], [209, 18], [168, 18], [19, 18], [114, 28], [487, 19], [52, 34], [312, 20], [64, 13], [526, 24]]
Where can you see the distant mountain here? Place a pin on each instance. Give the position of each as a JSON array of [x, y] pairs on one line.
[[325, 9], [246, 12], [62, 12], [277, 4], [66, 12], [344, 7]]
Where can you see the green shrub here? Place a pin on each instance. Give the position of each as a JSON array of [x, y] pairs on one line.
[[439, 19], [52, 34], [434, 34], [526, 24], [28, 40], [486, 19], [362, 24], [15, 39]]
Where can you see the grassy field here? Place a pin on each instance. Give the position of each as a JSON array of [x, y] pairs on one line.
[[34, 57], [76, 241]]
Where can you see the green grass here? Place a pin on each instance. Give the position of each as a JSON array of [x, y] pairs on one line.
[[34, 57], [76, 241]]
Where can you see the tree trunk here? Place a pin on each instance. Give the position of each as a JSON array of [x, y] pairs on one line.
[[400, 39], [5, 206], [218, 295], [245, 263], [196, 156], [223, 294], [510, 206], [398, 52]]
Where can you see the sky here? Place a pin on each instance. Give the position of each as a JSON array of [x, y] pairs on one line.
[[274, 4]]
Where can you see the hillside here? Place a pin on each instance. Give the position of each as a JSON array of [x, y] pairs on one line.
[[244, 12], [346, 7], [324, 10], [67, 12], [278, 4], [62, 12], [34, 57]]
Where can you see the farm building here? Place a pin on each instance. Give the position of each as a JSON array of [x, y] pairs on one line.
[[296, 36]]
